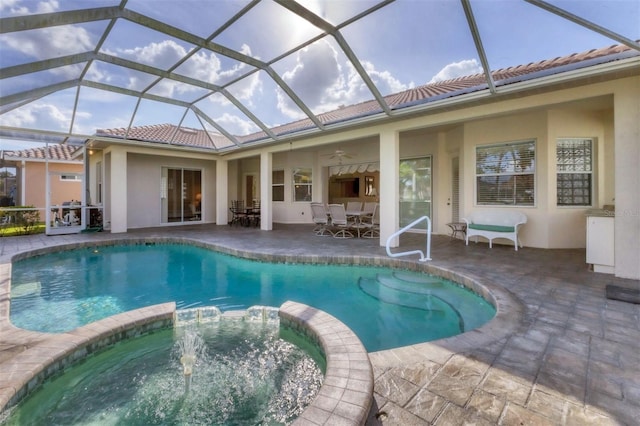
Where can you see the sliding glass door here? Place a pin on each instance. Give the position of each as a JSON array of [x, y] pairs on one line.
[[415, 190], [181, 194]]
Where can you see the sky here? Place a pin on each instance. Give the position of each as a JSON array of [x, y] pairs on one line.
[[404, 44]]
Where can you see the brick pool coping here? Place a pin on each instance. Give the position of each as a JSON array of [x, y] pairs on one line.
[[23, 373], [345, 396], [329, 406]]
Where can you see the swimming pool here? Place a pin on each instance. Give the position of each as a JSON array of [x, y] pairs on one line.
[[386, 308]]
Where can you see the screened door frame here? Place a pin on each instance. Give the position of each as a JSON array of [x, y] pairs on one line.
[[430, 201], [166, 189], [455, 188]]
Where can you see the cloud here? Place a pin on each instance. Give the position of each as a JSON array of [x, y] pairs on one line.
[[206, 65], [247, 88], [160, 55], [324, 84], [385, 81], [63, 40], [12, 8], [316, 70], [46, 116], [47, 6], [15, 7], [46, 42], [457, 69], [236, 125]]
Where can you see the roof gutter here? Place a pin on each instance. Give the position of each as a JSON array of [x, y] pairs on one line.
[[538, 80]]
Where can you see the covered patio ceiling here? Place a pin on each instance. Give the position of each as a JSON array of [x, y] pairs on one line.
[[250, 72]]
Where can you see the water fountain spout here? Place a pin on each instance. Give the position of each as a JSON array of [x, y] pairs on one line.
[[191, 346], [187, 362]]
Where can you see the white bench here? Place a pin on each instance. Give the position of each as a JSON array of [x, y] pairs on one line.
[[492, 224]]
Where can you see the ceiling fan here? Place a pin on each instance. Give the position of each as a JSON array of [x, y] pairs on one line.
[[339, 154]]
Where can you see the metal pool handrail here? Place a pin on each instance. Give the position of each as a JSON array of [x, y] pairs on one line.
[[424, 256]]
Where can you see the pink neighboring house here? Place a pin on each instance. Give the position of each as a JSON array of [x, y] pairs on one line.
[[65, 165]]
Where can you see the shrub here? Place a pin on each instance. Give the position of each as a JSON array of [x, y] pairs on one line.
[[20, 221]]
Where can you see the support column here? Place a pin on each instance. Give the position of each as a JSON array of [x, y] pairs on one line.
[[23, 187], [389, 178], [266, 204], [119, 192], [222, 192], [627, 180]]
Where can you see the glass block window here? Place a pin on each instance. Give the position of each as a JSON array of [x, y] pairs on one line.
[[574, 167], [277, 185], [302, 184], [505, 174]]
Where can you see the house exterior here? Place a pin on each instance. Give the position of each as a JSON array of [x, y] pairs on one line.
[[63, 164], [561, 139]]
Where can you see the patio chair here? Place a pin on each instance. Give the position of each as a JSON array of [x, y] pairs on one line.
[[372, 223], [354, 208], [340, 225], [253, 214], [320, 217], [238, 213], [368, 208]]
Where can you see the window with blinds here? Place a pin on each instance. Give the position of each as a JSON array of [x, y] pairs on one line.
[[505, 174], [574, 167], [277, 185]]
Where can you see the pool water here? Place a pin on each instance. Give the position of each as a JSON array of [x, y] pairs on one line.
[[244, 374], [386, 308]]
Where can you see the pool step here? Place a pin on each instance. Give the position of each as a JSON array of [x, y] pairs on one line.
[[418, 279], [395, 283], [425, 302], [396, 291]]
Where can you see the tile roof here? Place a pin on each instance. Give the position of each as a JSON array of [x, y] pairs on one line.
[[169, 133], [166, 133], [55, 152]]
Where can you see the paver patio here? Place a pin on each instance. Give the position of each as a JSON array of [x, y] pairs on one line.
[[560, 354]]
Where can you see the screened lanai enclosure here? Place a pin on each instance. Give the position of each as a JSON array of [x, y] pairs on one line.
[[251, 72], [177, 109]]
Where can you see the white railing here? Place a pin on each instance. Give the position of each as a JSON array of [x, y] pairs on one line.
[[424, 256]]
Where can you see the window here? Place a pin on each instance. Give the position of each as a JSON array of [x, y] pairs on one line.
[[574, 167], [71, 178], [277, 185], [302, 185], [505, 174]]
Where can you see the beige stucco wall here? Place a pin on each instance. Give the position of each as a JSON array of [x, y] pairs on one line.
[[143, 191], [607, 112], [549, 226], [627, 176], [566, 226]]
